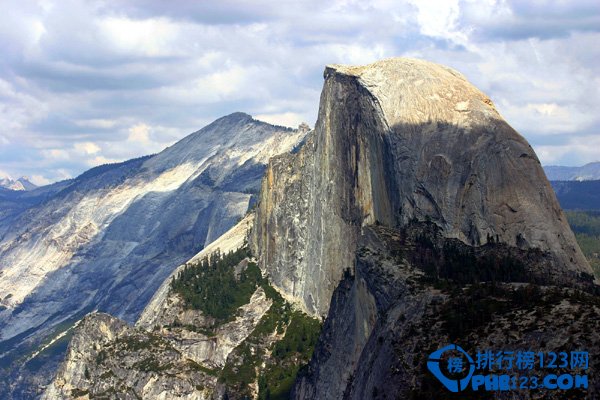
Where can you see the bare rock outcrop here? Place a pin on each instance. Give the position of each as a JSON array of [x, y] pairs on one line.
[[108, 358]]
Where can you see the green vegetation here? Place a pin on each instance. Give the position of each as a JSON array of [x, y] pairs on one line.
[[141, 342], [194, 365], [525, 310], [586, 225], [479, 304], [578, 195], [151, 364], [591, 249], [212, 287], [586, 222], [240, 372], [79, 393], [191, 328], [289, 355]]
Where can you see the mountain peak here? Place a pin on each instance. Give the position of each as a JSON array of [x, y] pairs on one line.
[[587, 172], [396, 141], [21, 184], [237, 116]]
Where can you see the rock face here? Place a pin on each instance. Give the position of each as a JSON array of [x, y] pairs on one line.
[[398, 140], [134, 375], [188, 353], [107, 239], [163, 308]]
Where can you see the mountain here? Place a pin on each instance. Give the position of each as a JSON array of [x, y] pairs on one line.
[[578, 195], [107, 239], [587, 172], [396, 141], [22, 183], [411, 217]]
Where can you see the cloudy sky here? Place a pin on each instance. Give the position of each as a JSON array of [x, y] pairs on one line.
[[84, 83]]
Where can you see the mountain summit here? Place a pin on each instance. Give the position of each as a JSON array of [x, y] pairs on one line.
[[23, 183]]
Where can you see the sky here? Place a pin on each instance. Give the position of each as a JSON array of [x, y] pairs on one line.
[[84, 83]]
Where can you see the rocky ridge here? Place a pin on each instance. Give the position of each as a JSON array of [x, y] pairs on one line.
[[413, 293], [107, 239]]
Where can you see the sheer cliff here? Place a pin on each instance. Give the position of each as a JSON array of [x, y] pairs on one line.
[[398, 140]]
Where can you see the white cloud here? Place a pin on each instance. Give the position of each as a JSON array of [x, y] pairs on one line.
[[56, 154], [284, 119], [439, 19], [139, 133], [585, 148], [90, 82], [39, 180], [87, 148], [18, 110], [151, 37]]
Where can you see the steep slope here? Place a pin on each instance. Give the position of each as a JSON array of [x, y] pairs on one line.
[[398, 140], [587, 172], [107, 239], [414, 292], [434, 223]]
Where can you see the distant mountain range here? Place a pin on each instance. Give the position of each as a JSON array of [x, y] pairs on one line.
[[577, 188], [23, 183], [587, 172], [575, 195]]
